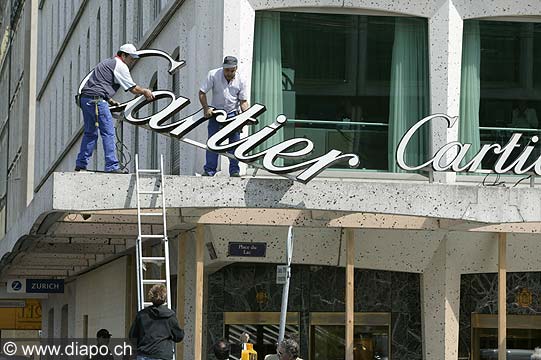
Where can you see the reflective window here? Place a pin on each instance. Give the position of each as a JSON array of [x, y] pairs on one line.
[[370, 342], [371, 337], [500, 85], [347, 82], [262, 327]]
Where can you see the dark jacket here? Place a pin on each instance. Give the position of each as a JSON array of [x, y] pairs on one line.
[[155, 329]]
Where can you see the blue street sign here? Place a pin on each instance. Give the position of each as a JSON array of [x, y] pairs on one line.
[[44, 286], [247, 249]]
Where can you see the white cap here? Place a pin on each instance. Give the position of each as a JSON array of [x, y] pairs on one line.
[[130, 50]]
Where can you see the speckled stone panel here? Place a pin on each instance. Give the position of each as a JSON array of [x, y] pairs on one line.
[[483, 9], [321, 288], [91, 191], [278, 4]]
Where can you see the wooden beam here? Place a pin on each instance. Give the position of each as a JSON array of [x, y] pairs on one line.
[[181, 283], [199, 267], [502, 296], [350, 311]]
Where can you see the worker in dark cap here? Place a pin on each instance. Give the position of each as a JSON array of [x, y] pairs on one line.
[[103, 337], [229, 94]]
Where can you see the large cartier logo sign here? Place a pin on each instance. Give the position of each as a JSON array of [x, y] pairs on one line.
[[244, 149], [459, 151]]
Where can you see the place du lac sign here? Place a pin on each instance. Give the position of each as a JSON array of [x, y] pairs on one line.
[[247, 249], [245, 151]]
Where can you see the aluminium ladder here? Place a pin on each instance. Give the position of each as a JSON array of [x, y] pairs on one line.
[[140, 258]]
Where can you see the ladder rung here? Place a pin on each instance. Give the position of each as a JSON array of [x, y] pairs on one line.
[[149, 171], [154, 281], [152, 236], [152, 258], [150, 192], [150, 214]]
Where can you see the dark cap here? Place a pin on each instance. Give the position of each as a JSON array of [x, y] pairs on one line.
[[229, 62], [103, 333]]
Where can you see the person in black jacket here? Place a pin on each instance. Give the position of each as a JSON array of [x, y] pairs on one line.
[[156, 328]]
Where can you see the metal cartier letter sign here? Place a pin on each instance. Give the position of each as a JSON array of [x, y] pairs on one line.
[[458, 151], [243, 150]]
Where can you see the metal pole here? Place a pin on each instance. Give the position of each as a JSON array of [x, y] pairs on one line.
[[285, 293]]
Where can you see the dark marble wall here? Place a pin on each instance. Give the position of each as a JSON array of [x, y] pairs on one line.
[[479, 294], [320, 288]]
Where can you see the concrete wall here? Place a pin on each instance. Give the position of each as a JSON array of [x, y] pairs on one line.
[[191, 33], [14, 113], [99, 294], [56, 302]]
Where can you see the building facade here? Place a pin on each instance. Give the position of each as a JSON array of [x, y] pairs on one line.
[[420, 250]]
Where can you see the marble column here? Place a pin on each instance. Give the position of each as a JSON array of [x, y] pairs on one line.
[[440, 287], [445, 56]]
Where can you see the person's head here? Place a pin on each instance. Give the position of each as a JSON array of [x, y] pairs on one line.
[[288, 349], [128, 54], [221, 349], [158, 294], [103, 336], [230, 67]]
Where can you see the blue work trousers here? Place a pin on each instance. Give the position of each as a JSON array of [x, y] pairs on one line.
[[212, 157], [96, 116]]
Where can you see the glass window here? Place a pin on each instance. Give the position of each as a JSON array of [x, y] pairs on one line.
[[500, 84], [537, 55], [262, 327], [371, 336], [263, 336], [347, 82], [523, 336], [370, 342]]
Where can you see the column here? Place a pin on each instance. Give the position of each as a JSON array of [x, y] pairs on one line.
[[445, 56], [440, 296]]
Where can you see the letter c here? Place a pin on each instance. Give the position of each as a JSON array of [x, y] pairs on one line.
[[401, 149]]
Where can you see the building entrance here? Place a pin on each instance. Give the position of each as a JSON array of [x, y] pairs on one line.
[[263, 328], [326, 338], [523, 336]]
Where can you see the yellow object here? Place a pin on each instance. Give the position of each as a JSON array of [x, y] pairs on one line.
[[27, 318], [248, 353]]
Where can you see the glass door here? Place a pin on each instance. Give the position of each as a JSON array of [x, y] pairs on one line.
[[523, 336], [371, 336], [263, 328]]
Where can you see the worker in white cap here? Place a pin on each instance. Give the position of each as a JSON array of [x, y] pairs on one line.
[[96, 95]]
